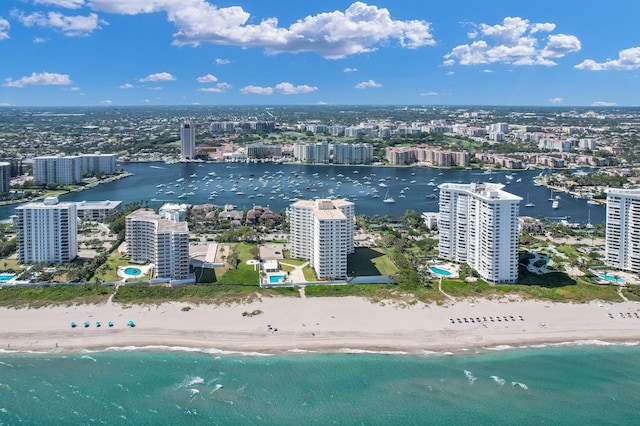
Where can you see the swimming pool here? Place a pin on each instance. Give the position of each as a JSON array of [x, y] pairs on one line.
[[439, 271], [611, 278], [133, 272], [6, 277], [276, 279]]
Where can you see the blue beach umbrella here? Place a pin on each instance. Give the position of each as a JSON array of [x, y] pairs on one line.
[[131, 323], [110, 324], [86, 324], [73, 324], [97, 323]]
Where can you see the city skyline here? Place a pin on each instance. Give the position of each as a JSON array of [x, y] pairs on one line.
[[164, 52]]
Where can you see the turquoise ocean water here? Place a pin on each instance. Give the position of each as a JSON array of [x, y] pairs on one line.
[[549, 385]]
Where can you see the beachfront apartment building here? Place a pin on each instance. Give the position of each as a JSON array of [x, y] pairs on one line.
[[322, 232], [47, 232], [622, 235], [478, 226], [187, 141], [154, 239]]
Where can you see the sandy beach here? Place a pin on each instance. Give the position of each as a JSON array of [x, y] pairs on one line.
[[319, 324]]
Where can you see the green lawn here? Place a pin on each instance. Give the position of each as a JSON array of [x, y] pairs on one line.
[[109, 271], [370, 261], [243, 274]]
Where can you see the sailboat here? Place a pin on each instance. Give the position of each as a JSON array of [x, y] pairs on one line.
[[388, 199], [529, 203]]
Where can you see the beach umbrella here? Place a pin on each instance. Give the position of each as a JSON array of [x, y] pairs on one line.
[[131, 323], [73, 324], [110, 324], [86, 323], [97, 323]]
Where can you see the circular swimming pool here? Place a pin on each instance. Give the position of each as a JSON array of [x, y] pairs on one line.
[[132, 272]]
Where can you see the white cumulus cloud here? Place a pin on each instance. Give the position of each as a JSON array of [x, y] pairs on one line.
[[350, 69], [556, 100], [514, 42], [290, 89], [218, 88], [159, 76], [4, 29], [39, 79], [127, 86], [628, 59], [69, 25], [367, 85], [222, 61], [256, 90], [106, 102], [603, 104], [336, 34], [69, 4], [208, 78]]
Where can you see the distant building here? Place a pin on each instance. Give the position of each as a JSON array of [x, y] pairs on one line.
[[96, 210], [63, 170], [47, 232], [262, 151], [163, 242], [479, 226], [187, 141], [98, 164], [358, 153], [322, 232], [311, 153], [5, 178], [622, 237]]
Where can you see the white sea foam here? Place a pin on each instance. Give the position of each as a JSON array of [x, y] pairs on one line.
[[580, 343], [470, 376], [522, 385], [3, 410], [183, 349], [302, 351], [194, 392], [217, 388], [5, 364], [498, 380], [501, 348], [366, 351], [89, 357]]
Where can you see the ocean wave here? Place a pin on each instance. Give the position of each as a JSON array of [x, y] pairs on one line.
[[521, 385], [498, 380], [301, 351], [367, 351], [469, 375], [593, 342], [210, 351]]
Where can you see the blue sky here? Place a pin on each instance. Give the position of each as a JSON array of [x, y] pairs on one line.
[[401, 52]]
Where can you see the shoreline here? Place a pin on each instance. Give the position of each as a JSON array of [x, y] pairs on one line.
[[320, 325]]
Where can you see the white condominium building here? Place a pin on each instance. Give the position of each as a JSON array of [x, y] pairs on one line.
[[322, 233], [57, 169], [163, 242], [187, 141], [47, 232], [622, 238], [479, 226]]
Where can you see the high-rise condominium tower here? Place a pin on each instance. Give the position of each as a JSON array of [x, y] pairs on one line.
[[479, 226]]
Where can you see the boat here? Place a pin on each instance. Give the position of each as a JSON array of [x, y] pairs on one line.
[[592, 202], [555, 204], [529, 203], [388, 199]]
